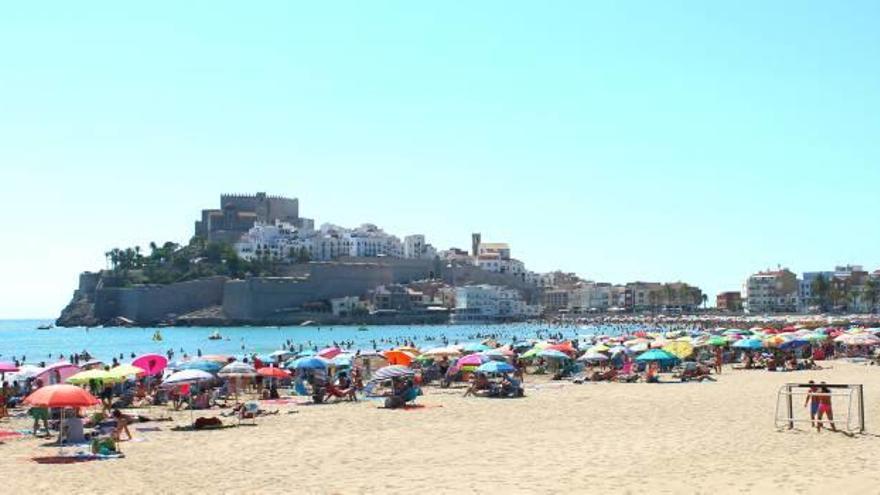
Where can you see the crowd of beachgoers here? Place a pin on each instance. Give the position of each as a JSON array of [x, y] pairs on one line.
[[89, 401]]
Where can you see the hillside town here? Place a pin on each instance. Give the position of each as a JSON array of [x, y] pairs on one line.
[[255, 260]]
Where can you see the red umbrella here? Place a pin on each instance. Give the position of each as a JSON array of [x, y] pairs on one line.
[[273, 372], [330, 352], [61, 396]]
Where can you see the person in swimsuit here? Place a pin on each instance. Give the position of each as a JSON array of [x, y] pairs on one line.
[[824, 408], [813, 400]]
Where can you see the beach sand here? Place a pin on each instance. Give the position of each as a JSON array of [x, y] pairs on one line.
[[621, 438]]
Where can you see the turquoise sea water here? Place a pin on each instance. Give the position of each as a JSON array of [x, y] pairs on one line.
[[21, 338]]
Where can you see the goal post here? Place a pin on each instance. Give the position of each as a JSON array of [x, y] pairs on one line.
[[845, 398]]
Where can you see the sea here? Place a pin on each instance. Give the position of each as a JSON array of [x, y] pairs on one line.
[[21, 338]]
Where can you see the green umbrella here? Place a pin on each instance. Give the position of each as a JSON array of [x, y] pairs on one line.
[[717, 341]]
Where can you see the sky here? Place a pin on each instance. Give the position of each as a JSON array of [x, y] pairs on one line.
[[641, 140]]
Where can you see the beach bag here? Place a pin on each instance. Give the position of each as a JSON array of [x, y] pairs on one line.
[[394, 402]]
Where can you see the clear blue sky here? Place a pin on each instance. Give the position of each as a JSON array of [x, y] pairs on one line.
[[621, 140]]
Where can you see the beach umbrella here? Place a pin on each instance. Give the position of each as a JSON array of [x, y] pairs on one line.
[[306, 352], [553, 354], [84, 377], [201, 365], [565, 347], [472, 360], [309, 363], [496, 367], [717, 341], [60, 396], [398, 357], [62, 369], [499, 353], [237, 369], [411, 350], [125, 370], [794, 344], [187, 376], [24, 372], [656, 355], [217, 358], [7, 367], [857, 339], [531, 353], [679, 349], [330, 352], [91, 363], [593, 357], [475, 347], [392, 371], [442, 351], [817, 337], [281, 354], [152, 364], [270, 372], [614, 350], [344, 359], [600, 348], [748, 344]]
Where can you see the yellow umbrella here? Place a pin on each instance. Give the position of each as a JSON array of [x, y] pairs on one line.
[[84, 377], [599, 348], [125, 370], [681, 349]]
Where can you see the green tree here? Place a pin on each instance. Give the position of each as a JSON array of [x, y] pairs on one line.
[[821, 289]]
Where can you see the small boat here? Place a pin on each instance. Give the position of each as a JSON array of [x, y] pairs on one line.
[[46, 327], [157, 336], [216, 335], [362, 329]]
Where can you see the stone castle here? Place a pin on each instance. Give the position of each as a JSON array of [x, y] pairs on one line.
[[239, 212]]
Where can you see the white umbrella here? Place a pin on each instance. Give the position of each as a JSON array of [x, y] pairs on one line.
[[187, 376], [593, 357]]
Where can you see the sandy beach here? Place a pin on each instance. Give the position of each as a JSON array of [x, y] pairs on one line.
[[627, 438]]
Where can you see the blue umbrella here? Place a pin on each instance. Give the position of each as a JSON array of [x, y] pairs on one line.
[[748, 344], [496, 367], [656, 355], [207, 366], [553, 354], [793, 344], [309, 363], [475, 347]]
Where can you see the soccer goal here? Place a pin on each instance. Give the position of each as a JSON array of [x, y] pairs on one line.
[[847, 406]]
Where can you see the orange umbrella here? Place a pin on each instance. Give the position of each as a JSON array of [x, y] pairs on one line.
[[398, 357], [269, 372], [61, 396], [565, 347]]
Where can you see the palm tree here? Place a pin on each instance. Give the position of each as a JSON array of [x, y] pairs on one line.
[[820, 292], [872, 290], [705, 299]]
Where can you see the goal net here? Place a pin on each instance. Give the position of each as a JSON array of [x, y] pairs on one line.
[[842, 405]]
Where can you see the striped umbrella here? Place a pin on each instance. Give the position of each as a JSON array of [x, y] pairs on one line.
[[392, 371]]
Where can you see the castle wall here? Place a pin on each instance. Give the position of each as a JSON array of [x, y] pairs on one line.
[[155, 303], [264, 298]]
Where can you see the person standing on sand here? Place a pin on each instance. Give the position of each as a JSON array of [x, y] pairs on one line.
[[824, 408], [813, 400], [719, 359]]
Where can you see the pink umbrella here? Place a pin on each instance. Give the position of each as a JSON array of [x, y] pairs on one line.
[[6, 367], [152, 364], [330, 352], [63, 369], [472, 360]]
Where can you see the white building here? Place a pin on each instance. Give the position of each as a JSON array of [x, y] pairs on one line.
[[591, 297], [282, 241], [484, 303], [414, 246]]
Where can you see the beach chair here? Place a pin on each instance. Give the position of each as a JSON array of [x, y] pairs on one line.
[[249, 410]]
